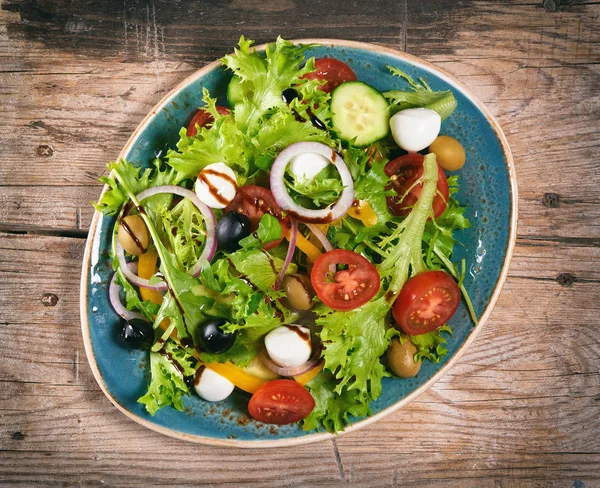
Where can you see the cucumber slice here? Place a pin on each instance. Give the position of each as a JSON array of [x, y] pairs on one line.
[[360, 113], [238, 91]]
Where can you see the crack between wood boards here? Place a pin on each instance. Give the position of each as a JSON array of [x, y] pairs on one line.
[[404, 14], [572, 241], [38, 230], [550, 279], [338, 461]]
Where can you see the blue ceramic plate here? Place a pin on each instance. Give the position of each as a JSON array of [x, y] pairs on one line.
[[487, 187]]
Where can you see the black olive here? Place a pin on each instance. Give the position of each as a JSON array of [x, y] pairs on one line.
[[288, 95], [213, 339], [232, 228], [317, 122], [138, 334]]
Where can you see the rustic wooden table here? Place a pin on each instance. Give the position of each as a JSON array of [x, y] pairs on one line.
[[521, 408]]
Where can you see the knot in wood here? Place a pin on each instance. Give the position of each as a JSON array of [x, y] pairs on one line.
[[49, 300], [44, 151], [565, 279], [551, 200]]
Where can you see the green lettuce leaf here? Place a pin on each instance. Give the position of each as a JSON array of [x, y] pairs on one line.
[[269, 230], [332, 409], [185, 229], [137, 179], [269, 75], [132, 299], [443, 102], [430, 345], [167, 385], [258, 267]]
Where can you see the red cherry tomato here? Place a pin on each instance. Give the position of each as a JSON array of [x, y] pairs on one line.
[[333, 71], [346, 289], [427, 301], [403, 173], [281, 402], [203, 118], [255, 201]]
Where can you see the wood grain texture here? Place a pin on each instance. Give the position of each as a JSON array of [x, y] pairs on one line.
[[522, 406]]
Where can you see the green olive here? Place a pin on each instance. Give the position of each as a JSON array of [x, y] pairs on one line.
[[401, 358], [299, 292], [449, 153], [133, 234]]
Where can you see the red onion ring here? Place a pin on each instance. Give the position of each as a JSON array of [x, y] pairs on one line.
[[210, 246], [290, 252], [132, 277], [115, 301], [321, 236], [285, 201], [291, 371]]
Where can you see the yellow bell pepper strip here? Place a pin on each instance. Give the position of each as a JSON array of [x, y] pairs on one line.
[[309, 375], [362, 210], [307, 247], [146, 269], [237, 376]]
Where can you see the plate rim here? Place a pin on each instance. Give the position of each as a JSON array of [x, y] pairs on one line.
[[306, 439]]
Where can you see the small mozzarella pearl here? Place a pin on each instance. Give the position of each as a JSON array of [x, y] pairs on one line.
[[289, 345], [415, 129], [212, 386], [216, 185], [307, 166]]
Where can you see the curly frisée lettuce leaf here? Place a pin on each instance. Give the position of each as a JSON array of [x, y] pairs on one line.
[[431, 344], [138, 180], [186, 231], [223, 141], [269, 75], [167, 386], [354, 342], [332, 409]]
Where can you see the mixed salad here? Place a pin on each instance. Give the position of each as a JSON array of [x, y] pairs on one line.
[[296, 245]]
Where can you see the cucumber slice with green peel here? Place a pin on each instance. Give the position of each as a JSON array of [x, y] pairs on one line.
[[360, 113], [238, 90]]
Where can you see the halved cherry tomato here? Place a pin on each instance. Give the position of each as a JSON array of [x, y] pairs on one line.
[[203, 118], [346, 289], [427, 301], [281, 402], [255, 201], [333, 71], [404, 172]]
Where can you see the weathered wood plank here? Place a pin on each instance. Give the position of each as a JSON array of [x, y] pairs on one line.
[[521, 408], [526, 368]]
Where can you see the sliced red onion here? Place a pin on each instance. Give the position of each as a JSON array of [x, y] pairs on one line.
[[291, 371], [210, 246], [132, 277], [285, 201], [290, 252], [321, 236], [115, 301]]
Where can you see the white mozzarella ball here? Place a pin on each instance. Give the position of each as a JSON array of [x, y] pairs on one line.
[[212, 386], [289, 345], [216, 185], [307, 165], [415, 129]]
